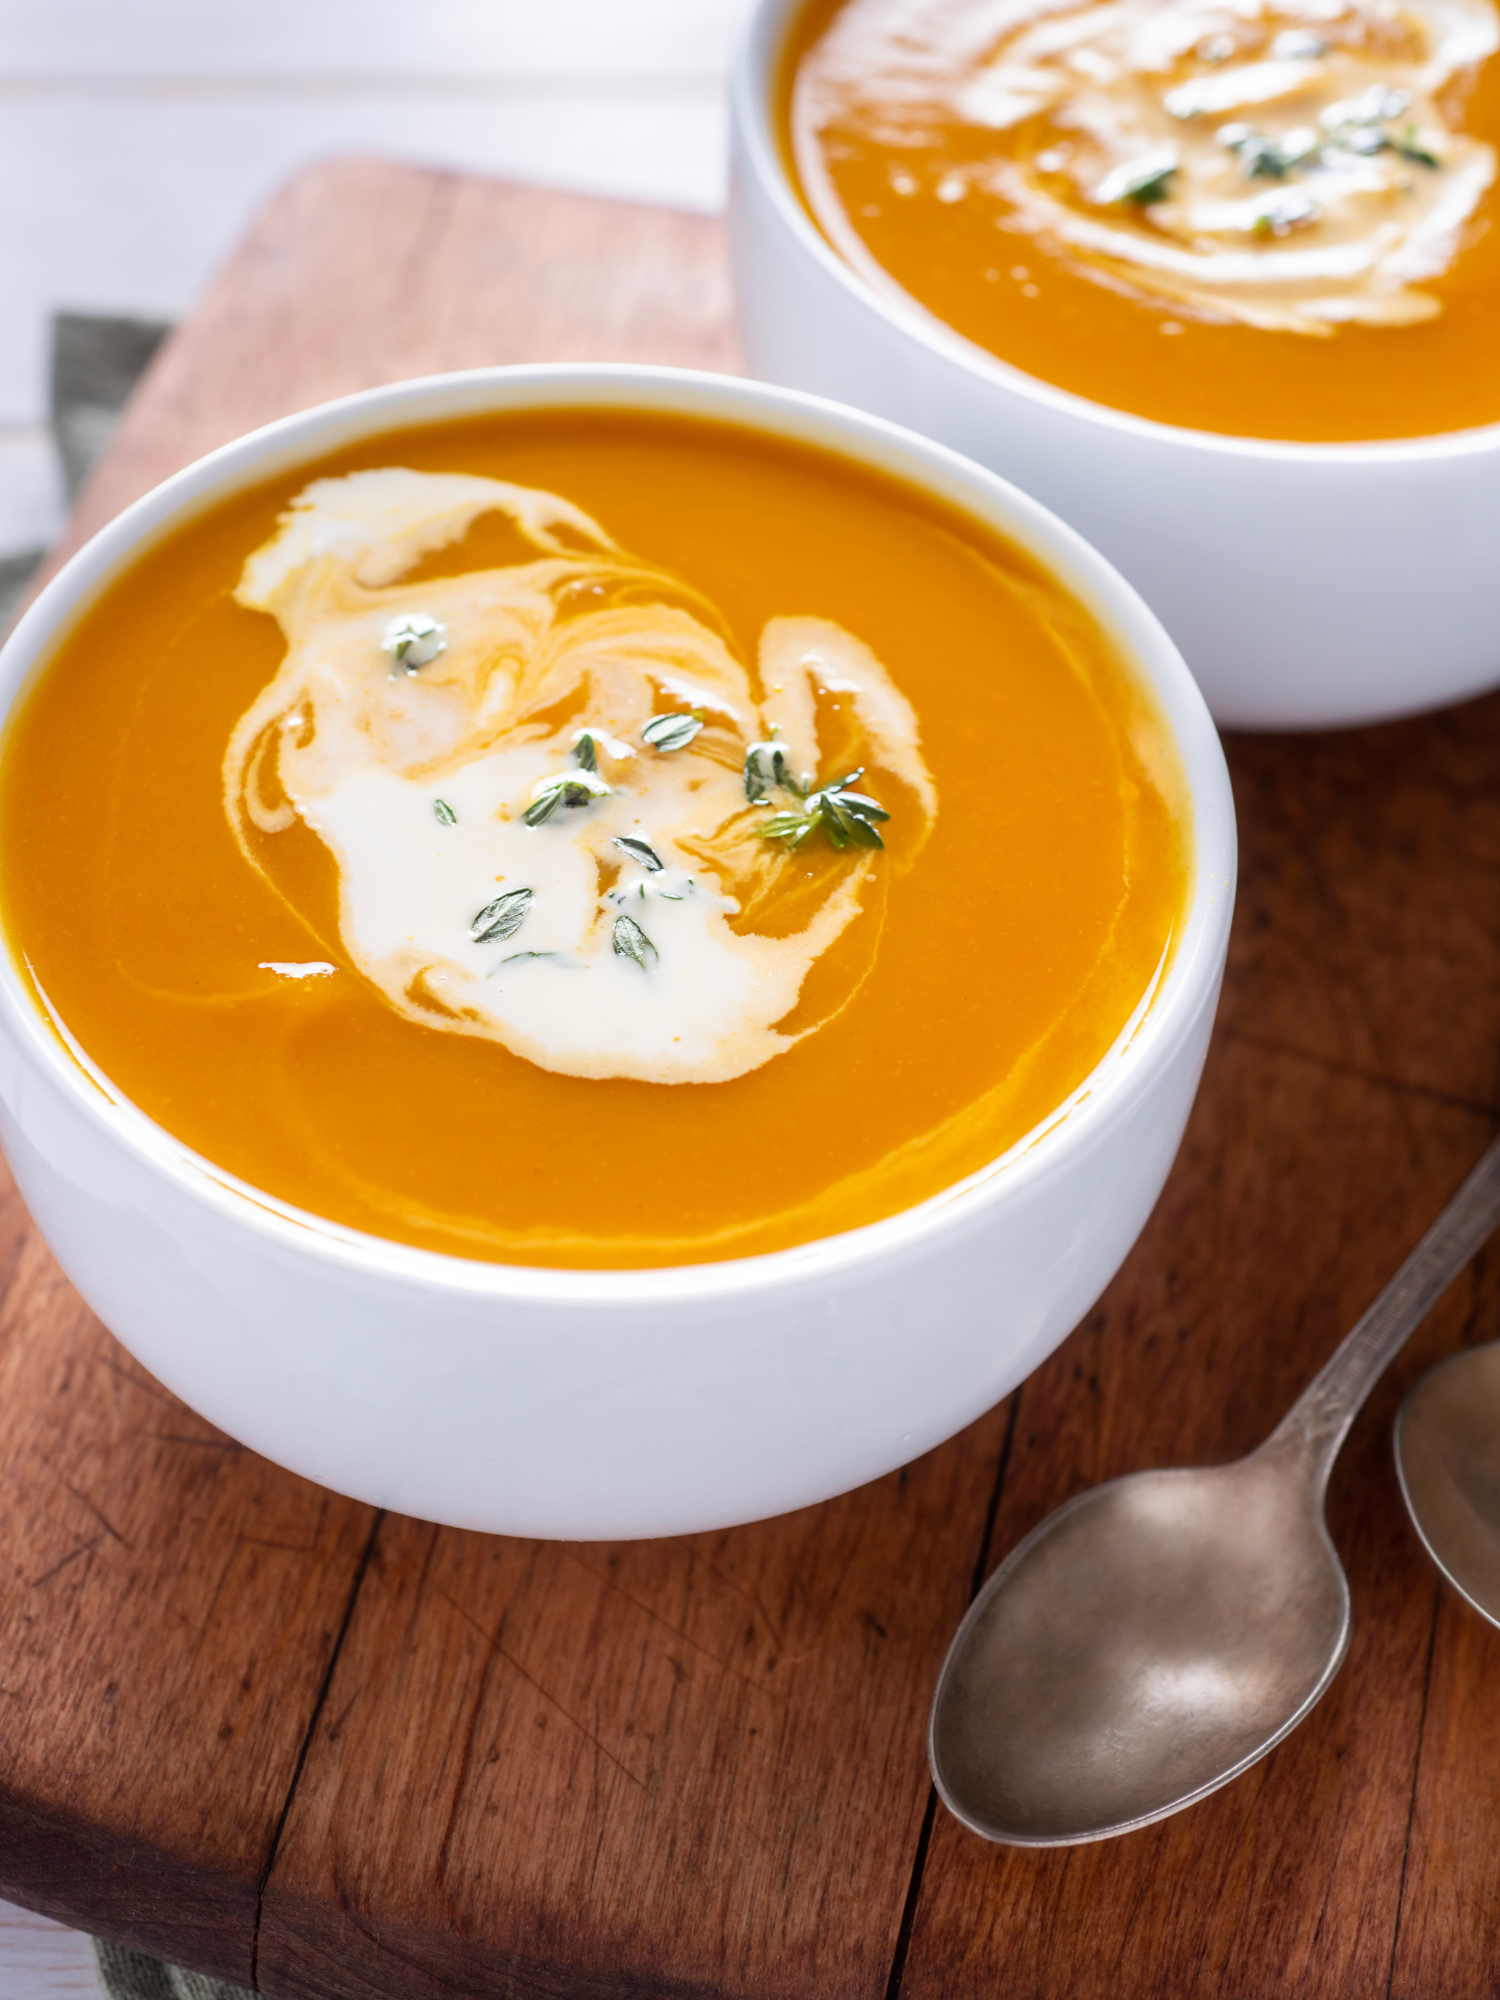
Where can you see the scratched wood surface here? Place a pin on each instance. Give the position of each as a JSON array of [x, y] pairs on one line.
[[330, 1754]]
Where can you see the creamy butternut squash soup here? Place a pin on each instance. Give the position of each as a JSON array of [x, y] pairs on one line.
[[591, 839], [1265, 218]]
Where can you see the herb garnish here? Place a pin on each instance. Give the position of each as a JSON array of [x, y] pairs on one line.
[[1285, 212], [671, 732], [1298, 45], [414, 640], [502, 918], [631, 942], [766, 766], [648, 857], [446, 816], [1409, 149], [1263, 159], [1360, 126], [848, 818], [1139, 181], [527, 954], [586, 751], [572, 789]]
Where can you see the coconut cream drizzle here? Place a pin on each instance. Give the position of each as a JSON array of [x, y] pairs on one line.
[[1290, 164], [419, 779]]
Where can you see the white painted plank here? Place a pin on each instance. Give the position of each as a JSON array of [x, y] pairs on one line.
[[301, 38], [40, 1960], [31, 498]]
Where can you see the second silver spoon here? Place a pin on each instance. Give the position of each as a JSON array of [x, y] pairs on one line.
[[1448, 1459]]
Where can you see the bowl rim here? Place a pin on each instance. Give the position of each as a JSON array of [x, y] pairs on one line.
[[1189, 982], [754, 74]]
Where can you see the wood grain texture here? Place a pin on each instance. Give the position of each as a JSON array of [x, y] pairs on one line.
[[1449, 1941], [345, 1758], [687, 1767], [168, 1610]]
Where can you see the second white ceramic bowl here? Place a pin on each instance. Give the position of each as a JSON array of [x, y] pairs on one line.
[[596, 1403], [1308, 586]]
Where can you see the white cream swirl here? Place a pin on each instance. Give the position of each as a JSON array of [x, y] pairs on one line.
[[1289, 164], [417, 782]]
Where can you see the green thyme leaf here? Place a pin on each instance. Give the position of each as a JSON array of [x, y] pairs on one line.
[[515, 955], [1140, 181], [671, 732], [1410, 149], [1143, 192], [861, 807], [631, 942], [502, 918], [1285, 212], [1262, 159], [639, 851], [586, 752], [414, 640], [863, 834], [578, 788], [446, 816], [545, 804], [791, 827], [765, 767]]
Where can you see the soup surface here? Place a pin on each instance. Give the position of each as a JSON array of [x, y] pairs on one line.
[[1265, 218], [590, 840]]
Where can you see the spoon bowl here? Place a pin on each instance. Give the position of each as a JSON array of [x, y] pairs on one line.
[[1158, 1634], [1448, 1461]]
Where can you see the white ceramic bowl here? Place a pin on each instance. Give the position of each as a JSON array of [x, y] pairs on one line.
[[592, 1403], [1308, 586]]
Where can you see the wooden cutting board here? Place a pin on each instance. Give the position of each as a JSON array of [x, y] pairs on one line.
[[271, 1734]]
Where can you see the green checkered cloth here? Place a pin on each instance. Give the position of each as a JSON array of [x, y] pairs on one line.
[[131, 1975], [96, 362]]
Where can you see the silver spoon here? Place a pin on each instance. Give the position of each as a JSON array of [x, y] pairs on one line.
[[1448, 1460], [1156, 1636]]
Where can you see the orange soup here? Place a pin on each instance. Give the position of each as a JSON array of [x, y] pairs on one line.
[[1263, 218], [590, 839]]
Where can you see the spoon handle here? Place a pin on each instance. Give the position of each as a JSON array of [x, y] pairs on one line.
[[1319, 1420]]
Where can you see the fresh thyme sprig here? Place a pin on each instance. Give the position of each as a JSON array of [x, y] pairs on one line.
[[846, 817], [1361, 126], [446, 816], [414, 640], [502, 918], [631, 942], [572, 788], [648, 857], [671, 732]]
